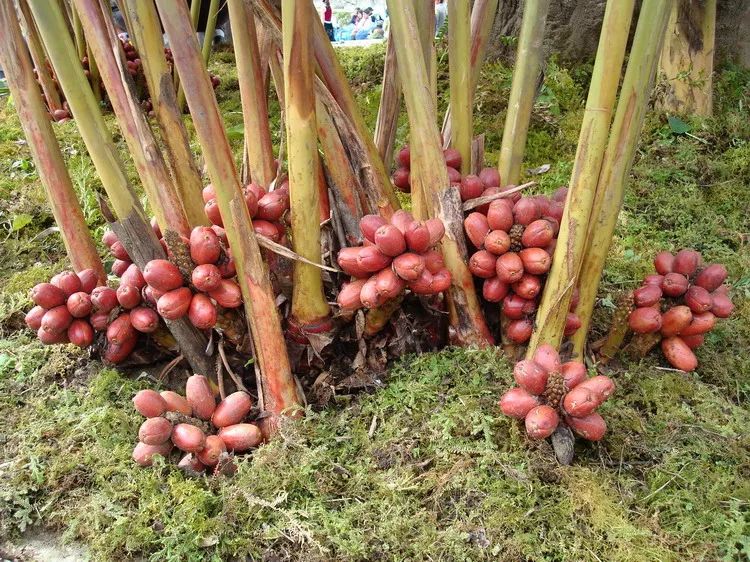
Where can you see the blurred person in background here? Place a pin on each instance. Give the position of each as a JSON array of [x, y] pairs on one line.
[[328, 19], [441, 14]]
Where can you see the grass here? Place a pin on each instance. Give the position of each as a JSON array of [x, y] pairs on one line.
[[443, 476]]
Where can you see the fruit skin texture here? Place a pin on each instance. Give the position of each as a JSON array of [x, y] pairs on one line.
[[79, 304], [664, 263], [500, 215], [199, 396], [368, 224], [390, 241], [722, 306], [482, 264], [241, 437], [417, 237], [47, 295], [68, 282], [232, 410], [497, 242], [89, 280], [526, 211], [516, 403], [174, 304], [679, 354], [601, 386], [128, 296], [155, 431], [149, 403], [574, 373], [188, 438], [212, 451], [509, 267], [104, 299], [519, 331], [581, 401], [477, 228], [537, 234], [81, 333], [541, 422], [530, 376], [591, 427], [645, 320], [686, 262], [56, 320], [205, 246], [202, 312], [701, 324], [348, 298], [144, 319], [675, 320], [162, 275], [546, 356], [206, 277], [536, 260], [409, 266], [176, 402], [698, 299], [34, 316], [133, 276], [528, 286], [228, 295], [674, 284], [494, 290], [143, 454], [647, 295], [711, 277]]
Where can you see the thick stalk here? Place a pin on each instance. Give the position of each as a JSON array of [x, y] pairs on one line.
[[623, 141], [592, 141], [459, 43], [49, 161], [195, 13], [252, 91], [468, 325], [309, 304], [390, 106], [482, 17], [424, 10], [146, 30], [208, 38], [278, 386], [523, 90], [80, 40], [147, 156], [40, 59], [94, 74]]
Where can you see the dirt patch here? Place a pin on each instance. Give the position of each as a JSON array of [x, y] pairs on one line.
[[40, 545]]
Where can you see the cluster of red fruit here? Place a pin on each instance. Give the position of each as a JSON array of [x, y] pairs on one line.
[[515, 239], [395, 255], [549, 393], [681, 302], [195, 425]]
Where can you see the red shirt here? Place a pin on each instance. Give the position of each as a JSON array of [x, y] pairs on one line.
[[327, 14]]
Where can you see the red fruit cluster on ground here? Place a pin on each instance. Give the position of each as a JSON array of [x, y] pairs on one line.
[[681, 302]]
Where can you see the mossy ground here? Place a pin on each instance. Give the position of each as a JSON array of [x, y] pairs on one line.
[[442, 476]]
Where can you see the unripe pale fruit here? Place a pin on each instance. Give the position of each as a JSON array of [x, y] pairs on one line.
[[155, 431], [79, 304], [674, 284], [47, 295], [494, 290], [477, 228], [273, 205], [119, 252], [541, 422], [119, 267], [679, 354], [241, 437], [572, 323], [482, 264], [686, 262], [202, 312], [174, 304], [34, 316], [698, 299], [144, 454], [519, 331], [500, 214], [711, 277], [205, 246], [433, 261], [547, 357], [645, 320], [531, 376], [68, 282], [516, 403], [133, 276], [497, 242], [188, 438], [490, 177], [674, 320], [80, 333], [162, 275], [211, 208], [144, 319], [591, 427], [653, 279], [538, 234], [526, 211], [212, 451], [509, 267], [528, 286], [437, 230], [199, 396], [404, 157], [176, 402], [348, 298], [647, 295], [206, 277], [417, 237], [535, 260], [389, 240], [471, 187], [388, 284], [128, 296], [694, 342], [149, 403], [601, 386], [56, 320], [722, 306], [515, 307], [664, 263], [228, 295], [89, 280], [409, 266], [702, 323], [232, 409], [581, 401], [401, 180], [99, 320], [368, 224], [574, 373], [371, 259]]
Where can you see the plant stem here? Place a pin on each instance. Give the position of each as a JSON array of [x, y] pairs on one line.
[[523, 90], [459, 42], [390, 106], [208, 38], [424, 10], [44, 147], [80, 40], [623, 141], [195, 14]]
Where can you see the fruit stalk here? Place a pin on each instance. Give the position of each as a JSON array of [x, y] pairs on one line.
[[44, 147], [623, 140], [523, 90], [459, 42], [592, 141]]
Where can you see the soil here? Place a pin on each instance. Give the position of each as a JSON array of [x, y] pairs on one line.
[[40, 545]]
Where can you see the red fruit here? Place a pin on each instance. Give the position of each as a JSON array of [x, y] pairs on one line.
[[369, 224], [674, 320], [47, 295], [144, 454], [645, 320], [401, 180], [228, 295], [497, 242], [572, 323], [471, 187], [509, 267], [531, 376], [232, 409], [433, 261], [409, 266], [267, 229], [174, 304], [212, 451], [68, 282], [556, 210], [133, 276], [477, 228], [349, 263], [711, 277], [56, 320], [482, 264], [202, 312], [538, 234], [144, 319], [149, 403], [273, 205], [686, 262], [591, 427], [119, 252], [560, 194], [176, 402], [519, 331], [702, 323], [389, 284], [89, 280], [155, 431], [155, 227], [554, 223], [698, 299], [441, 281], [348, 298], [574, 373], [516, 403], [674, 284], [369, 295], [251, 202], [79, 304], [120, 331], [694, 342], [213, 213], [34, 316], [679, 354], [205, 246], [241, 437], [581, 401], [452, 158], [541, 422], [653, 279], [494, 290], [664, 263], [544, 204], [81, 333], [389, 240], [500, 214], [490, 177], [515, 307], [535, 260], [404, 157], [423, 284], [550, 249], [99, 320], [371, 259], [526, 211], [647, 295], [437, 230], [206, 277], [546, 356], [417, 237], [49, 338], [188, 438], [401, 219], [109, 238], [128, 296], [119, 267], [722, 306], [199, 396], [162, 275], [528, 287], [601, 386], [454, 176], [256, 190]]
